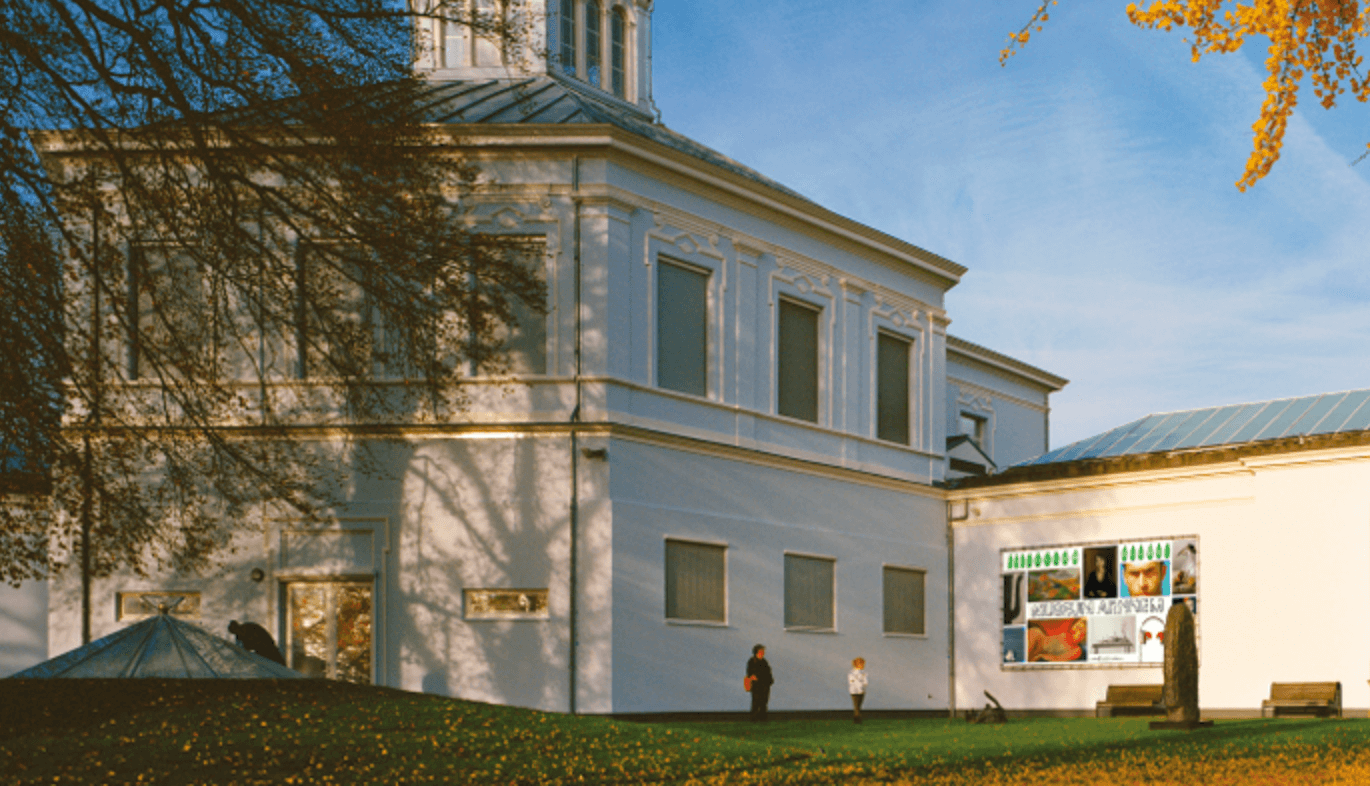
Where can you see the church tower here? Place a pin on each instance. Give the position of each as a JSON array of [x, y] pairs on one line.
[[604, 46]]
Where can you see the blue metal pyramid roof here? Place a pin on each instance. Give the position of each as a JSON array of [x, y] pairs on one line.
[[1238, 424], [159, 647]]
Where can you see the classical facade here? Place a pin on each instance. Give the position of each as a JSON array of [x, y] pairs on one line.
[[732, 426]]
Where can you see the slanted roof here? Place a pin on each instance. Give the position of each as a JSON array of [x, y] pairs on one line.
[[1047, 380], [548, 100], [1236, 424], [1203, 436], [159, 647], [528, 100]]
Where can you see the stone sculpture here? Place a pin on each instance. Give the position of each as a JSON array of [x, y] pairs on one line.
[[1181, 693]]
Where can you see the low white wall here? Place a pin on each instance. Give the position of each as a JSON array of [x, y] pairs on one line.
[[1284, 568]]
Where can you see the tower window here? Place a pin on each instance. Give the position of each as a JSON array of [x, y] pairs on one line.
[[617, 32], [568, 36], [592, 42]]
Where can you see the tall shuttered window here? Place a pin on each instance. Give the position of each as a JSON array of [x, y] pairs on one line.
[[797, 361], [809, 592], [617, 55], [682, 328], [904, 601], [568, 36], [892, 388], [593, 42], [696, 581]]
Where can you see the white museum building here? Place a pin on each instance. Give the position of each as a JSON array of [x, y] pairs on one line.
[[742, 420], [731, 428]]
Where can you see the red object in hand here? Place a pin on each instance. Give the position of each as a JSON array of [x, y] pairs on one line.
[[747, 683]]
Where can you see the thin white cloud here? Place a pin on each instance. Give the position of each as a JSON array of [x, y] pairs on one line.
[[1088, 186]]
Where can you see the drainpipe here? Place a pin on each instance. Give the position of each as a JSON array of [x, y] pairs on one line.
[[92, 420], [952, 516], [575, 418]]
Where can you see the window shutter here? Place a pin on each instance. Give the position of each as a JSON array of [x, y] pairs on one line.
[[695, 581], [892, 388], [808, 592], [797, 364], [682, 328], [904, 601]]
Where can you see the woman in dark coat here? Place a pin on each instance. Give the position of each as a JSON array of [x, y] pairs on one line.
[[759, 681]]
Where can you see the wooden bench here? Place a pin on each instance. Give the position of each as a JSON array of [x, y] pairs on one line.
[[1131, 700], [1320, 698]]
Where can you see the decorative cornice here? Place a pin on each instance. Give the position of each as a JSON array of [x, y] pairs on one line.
[[1004, 363]]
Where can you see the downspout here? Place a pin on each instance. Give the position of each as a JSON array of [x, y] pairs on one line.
[[575, 418], [92, 420], [952, 516]]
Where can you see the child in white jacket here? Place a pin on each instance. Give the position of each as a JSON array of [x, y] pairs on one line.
[[856, 683]]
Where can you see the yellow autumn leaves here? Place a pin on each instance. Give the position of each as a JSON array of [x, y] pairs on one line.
[[1305, 39]]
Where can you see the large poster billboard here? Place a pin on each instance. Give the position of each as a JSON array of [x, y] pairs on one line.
[[1095, 604]]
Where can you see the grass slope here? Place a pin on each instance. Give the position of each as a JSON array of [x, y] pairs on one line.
[[313, 731]]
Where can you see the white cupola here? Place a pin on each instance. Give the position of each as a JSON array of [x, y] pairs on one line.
[[602, 44]]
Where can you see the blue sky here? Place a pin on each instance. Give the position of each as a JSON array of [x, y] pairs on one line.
[[1088, 186]]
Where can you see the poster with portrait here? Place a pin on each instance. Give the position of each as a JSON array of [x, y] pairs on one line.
[[1094, 604]]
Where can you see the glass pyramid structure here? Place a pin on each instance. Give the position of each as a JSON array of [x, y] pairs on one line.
[[159, 647]]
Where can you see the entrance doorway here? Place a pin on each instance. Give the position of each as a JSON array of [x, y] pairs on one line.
[[328, 629]]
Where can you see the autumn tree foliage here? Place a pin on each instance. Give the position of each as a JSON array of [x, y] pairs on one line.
[[1306, 41], [223, 232]]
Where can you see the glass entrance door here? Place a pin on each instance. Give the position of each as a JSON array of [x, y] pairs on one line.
[[329, 629]]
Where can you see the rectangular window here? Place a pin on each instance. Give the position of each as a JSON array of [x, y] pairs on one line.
[[170, 295], [682, 328], [973, 426], [616, 53], [696, 581], [797, 364], [489, 51], [328, 629], [568, 36], [592, 42], [455, 44], [892, 388], [334, 320], [904, 601], [809, 592], [524, 342]]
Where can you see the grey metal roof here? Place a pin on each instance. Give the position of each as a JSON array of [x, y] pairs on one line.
[[529, 100], [549, 100], [1237, 424], [160, 647]]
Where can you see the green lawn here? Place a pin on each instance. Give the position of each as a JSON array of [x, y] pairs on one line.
[[127, 731], [936, 750]]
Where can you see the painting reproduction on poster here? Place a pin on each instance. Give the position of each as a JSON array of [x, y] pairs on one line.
[[1094, 604]]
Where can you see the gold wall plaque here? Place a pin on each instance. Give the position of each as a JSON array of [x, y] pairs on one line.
[[506, 604], [137, 605]]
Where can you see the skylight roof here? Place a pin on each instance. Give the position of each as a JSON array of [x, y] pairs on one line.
[[1328, 413]]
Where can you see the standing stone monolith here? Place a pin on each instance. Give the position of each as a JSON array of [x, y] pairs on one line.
[[1181, 667]]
